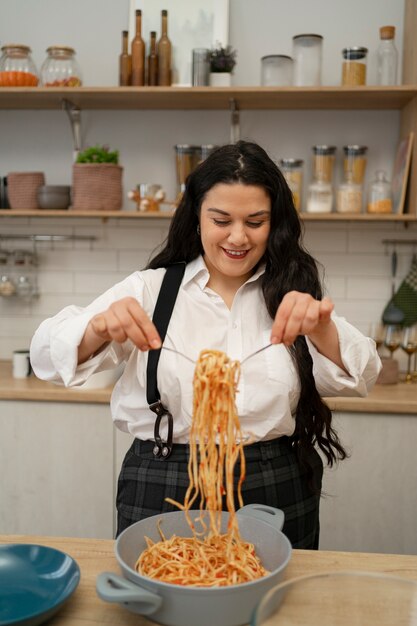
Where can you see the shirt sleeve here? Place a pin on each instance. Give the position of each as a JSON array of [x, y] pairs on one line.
[[360, 358], [54, 347]]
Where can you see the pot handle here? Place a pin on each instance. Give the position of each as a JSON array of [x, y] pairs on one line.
[[113, 588], [269, 514]]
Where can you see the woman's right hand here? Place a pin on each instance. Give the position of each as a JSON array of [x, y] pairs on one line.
[[124, 319]]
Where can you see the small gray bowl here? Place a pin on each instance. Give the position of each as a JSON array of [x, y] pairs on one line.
[[54, 196]]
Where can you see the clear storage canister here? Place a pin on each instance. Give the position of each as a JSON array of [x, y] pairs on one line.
[[16, 67], [276, 70], [379, 194], [293, 173], [307, 51], [60, 68], [354, 66], [354, 163], [323, 162]]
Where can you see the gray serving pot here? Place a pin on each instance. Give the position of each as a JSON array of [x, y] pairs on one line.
[[175, 605]]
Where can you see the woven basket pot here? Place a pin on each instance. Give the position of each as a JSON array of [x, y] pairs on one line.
[[23, 189], [96, 187]]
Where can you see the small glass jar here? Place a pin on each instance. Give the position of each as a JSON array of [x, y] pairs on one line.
[[60, 68], [276, 70], [349, 196], [354, 163], [354, 66], [307, 51], [292, 170], [319, 197], [379, 194], [323, 162], [17, 68]]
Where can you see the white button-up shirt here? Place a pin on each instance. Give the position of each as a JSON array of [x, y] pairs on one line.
[[268, 389]]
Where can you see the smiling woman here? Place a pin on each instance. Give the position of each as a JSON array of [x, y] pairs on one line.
[[244, 279]]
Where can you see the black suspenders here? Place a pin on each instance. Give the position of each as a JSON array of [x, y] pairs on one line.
[[161, 316]]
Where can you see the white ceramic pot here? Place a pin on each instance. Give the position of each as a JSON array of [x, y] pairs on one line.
[[220, 79]]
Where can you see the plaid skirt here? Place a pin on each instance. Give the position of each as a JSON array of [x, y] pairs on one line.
[[273, 477]]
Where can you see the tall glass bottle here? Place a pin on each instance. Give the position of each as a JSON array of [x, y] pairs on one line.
[[125, 62], [138, 53], [164, 50], [387, 57], [152, 61]]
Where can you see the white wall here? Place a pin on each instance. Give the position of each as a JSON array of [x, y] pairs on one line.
[[357, 269]]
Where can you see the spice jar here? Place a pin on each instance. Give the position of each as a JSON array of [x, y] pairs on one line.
[[354, 66], [276, 70], [16, 67], [292, 170], [354, 163], [379, 194], [60, 68]]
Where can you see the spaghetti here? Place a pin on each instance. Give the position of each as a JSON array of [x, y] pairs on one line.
[[209, 558]]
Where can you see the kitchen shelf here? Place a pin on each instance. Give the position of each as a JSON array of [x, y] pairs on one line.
[[306, 217], [209, 98]]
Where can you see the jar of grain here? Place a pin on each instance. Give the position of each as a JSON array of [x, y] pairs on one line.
[[354, 163], [349, 197], [354, 66], [323, 162], [293, 173], [379, 194]]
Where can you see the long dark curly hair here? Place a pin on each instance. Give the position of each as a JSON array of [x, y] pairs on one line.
[[288, 267]]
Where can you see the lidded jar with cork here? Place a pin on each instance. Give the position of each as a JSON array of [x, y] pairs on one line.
[[17, 68], [354, 66], [60, 68], [320, 191], [292, 170]]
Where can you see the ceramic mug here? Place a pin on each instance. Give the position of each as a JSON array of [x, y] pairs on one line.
[[21, 364]]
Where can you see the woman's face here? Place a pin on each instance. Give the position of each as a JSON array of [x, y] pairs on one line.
[[235, 225]]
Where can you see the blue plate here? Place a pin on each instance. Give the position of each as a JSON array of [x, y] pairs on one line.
[[35, 581]]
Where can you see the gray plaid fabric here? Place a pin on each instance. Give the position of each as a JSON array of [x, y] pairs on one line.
[[273, 477]]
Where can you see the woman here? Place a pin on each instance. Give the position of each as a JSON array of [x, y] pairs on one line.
[[247, 282]]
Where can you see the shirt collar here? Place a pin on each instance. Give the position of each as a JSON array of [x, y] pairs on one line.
[[197, 270]]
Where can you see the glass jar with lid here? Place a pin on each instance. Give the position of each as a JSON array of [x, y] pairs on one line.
[[276, 70], [17, 68], [320, 191], [354, 66], [60, 68], [349, 196], [307, 52], [293, 173], [354, 163], [380, 194]]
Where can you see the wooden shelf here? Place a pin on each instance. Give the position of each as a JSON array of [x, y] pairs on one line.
[[187, 98], [306, 217]]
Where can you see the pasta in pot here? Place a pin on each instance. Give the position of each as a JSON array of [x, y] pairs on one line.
[[209, 558]]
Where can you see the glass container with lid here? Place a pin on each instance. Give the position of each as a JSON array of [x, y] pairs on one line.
[[354, 163], [276, 70], [293, 173], [349, 196], [320, 191], [379, 194], [354, 66], [60, 68], [307, 51], [323, 162], [17, 68]]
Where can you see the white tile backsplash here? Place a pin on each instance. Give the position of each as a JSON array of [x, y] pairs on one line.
[[356, 267]]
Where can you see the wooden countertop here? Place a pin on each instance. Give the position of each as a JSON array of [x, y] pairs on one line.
[[399, 398], [94, 556]]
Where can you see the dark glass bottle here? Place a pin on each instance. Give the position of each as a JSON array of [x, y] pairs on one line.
[[152, 61], [164, 53], [138, 53], [125, 62]]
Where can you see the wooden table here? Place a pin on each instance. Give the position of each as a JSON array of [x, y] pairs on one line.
[[95, 556]]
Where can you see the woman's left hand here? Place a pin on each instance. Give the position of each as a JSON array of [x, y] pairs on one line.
[[300, 314]]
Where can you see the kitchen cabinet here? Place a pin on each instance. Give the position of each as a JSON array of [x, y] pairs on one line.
[[56, 468]]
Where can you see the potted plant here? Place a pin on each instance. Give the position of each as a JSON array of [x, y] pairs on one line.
[[97, 180], [222, 62]]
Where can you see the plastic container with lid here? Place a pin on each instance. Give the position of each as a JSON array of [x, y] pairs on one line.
[[307, 52], [17, 68], [276, 70], [60, 68], [293, 173], [379, 194], [354, 66]]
